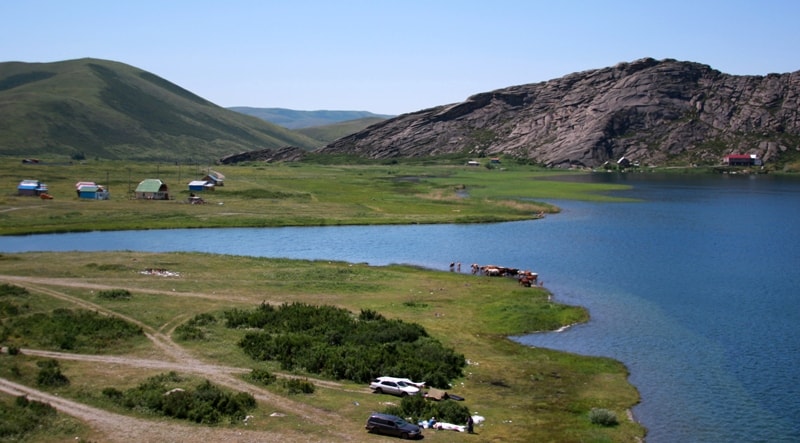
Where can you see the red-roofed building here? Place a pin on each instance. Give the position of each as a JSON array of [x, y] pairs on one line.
[[742, 160]]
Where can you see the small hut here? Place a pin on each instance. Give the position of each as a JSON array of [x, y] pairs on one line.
[[91, 191], [32, 188], [152, 189], [200, 186], [215, 177]]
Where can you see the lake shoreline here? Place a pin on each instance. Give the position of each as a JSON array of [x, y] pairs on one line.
[[511, 350]]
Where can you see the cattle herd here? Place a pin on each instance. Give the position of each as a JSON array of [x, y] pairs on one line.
[[525, 278]]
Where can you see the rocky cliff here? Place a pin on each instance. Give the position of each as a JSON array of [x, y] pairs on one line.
[[649, 111]]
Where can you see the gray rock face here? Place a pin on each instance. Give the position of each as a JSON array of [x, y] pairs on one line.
[[648, 111]]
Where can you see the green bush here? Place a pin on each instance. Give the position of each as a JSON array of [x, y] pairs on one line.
[[262, 376], [298, 386], [12, 291], [76, 330], [603, 417], [194, 329], [13, 300], [23, 417], [113, 393], [50, 374], [164, 395], [330, 341], [115, 294]]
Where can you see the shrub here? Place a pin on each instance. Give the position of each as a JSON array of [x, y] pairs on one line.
[[78, 330], [297, 386], [603, 417], [330, 341], [50, 374], [193, 329], [113, 394], [115, 294], [24, 417], [12, 290], [262, 376], [206, 403]]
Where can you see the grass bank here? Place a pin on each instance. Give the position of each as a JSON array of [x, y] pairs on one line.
[[525, 394]]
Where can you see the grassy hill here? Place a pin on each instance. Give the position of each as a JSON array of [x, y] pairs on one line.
[[293, 119], [103, 109], [329, 133]]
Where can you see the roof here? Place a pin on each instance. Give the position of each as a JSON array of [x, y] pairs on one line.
[[197, 183], [89, 188], [81, 184], [216, 175], [740, 156], [32, 184], [150, 185]]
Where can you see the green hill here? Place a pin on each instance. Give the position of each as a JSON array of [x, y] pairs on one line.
[[293, 119], [329, 133], [104, 109]]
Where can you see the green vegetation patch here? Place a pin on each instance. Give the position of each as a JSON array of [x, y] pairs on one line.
[[532, 311], [331, 341], [13, 301], [170, 396], [67, 329], [268, 194], [115, 294], [23, 417]]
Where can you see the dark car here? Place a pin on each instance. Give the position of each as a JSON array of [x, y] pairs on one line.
[[392, 425]]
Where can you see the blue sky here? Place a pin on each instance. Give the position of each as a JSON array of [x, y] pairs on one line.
[[393, 57]]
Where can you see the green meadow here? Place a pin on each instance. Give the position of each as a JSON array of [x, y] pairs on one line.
[[284, 194], [525, 394]]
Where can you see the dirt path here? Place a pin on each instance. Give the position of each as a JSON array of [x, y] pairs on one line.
[[75, 283], [117, 427], [122, 428]]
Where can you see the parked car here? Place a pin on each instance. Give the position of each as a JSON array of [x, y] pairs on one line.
[[392, 425], [389, 385], [418, 384]]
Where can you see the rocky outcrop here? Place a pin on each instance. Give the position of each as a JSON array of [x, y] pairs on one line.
[[648, 111], [287, 154]]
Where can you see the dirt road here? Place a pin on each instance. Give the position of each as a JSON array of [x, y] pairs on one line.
[[120, 428]]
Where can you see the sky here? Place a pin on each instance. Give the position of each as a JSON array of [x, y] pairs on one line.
[[394, 57]]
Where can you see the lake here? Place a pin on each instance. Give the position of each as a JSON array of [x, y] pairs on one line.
[[694, 287]]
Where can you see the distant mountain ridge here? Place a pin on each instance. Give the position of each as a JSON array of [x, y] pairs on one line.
[[649, 111], [105, 109], [293, 119]]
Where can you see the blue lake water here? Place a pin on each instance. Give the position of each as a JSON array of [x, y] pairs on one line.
[[694, 288]]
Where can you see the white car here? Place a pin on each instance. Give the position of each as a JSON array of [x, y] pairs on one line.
[[419, 385], [387, 385]]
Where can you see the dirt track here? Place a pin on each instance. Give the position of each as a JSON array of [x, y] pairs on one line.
[[120, 428]]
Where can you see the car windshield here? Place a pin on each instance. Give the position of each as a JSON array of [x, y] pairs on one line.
[[400, 422], [402, 384]]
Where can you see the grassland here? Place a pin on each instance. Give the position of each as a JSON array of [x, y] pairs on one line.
[[526, 394], [287, 194]]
